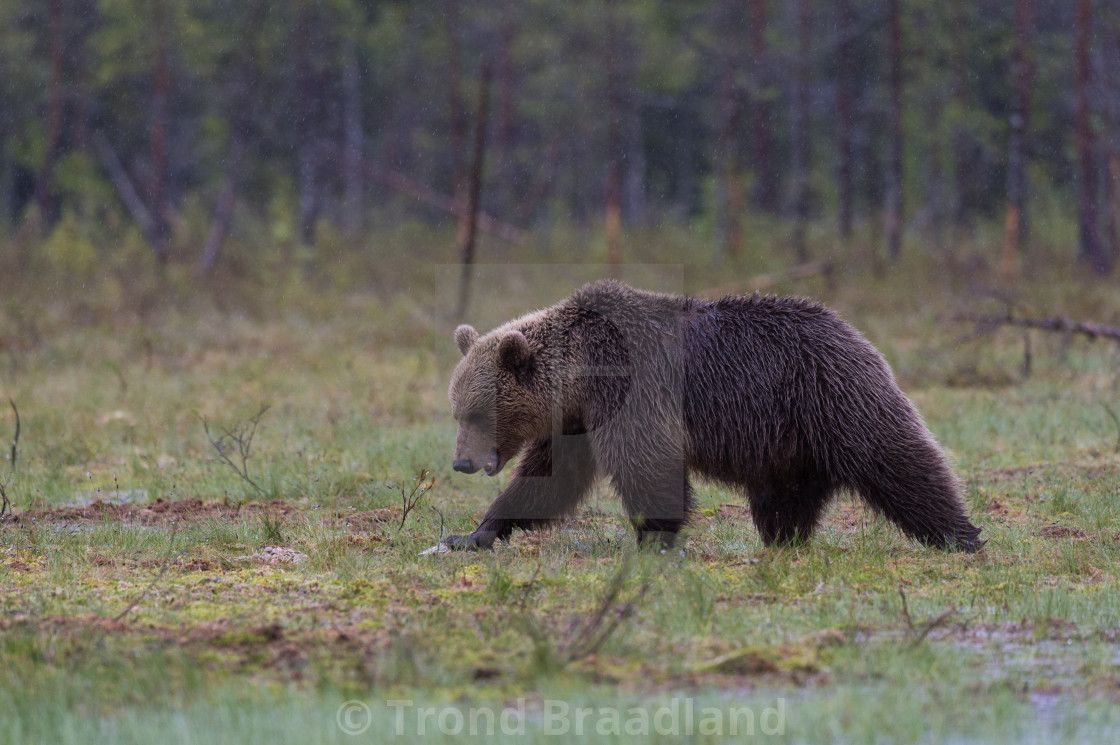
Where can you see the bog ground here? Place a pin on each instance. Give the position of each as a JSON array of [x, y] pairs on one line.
[[148, 592]]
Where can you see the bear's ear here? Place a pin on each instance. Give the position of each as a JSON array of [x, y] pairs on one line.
[[514, 353], [465, 337]]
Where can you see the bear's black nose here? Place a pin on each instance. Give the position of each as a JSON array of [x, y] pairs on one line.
[[464, 465]]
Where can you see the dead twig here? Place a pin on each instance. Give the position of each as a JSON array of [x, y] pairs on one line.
[[411, 500], [589, 637], [239, 441], [436, 510], [906, 610], [932, 624], [583, 636], [159, 576], [1115, 420], [918, 633], [523, 603], [15, 440], [5, 503]]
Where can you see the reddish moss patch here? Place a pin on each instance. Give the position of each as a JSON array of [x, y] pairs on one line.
[[160, 512]]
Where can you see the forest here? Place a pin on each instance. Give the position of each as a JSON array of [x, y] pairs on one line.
[[188, 122]]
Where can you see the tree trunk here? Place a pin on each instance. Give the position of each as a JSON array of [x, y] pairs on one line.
[[766, 193], [614, 138], [43, 185], [800, 159], [352, 147], [1090, 250], [307, 151], [157, 191], [127, 192], [508, 174], [457, 118], [1110, 53], [959, 136], [728, 155], [474, 198], [223, 214], [634, 182], [893, 192], [80, 59], [1016, 160], [844, 74], [922, 54]]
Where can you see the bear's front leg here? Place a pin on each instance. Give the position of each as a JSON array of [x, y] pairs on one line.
[[658, 507], [482, 537], [547, 485]]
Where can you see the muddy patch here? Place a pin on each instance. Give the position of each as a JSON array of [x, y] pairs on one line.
[[158, 513], [367, 520], [289, 654], [1061, 531]]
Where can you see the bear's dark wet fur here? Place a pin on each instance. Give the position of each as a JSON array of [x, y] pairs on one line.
[[776, 397]]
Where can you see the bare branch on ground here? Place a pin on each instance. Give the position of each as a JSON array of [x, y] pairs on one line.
[[1059, 324]]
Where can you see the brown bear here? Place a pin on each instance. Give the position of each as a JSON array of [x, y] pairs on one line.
[[774, 396]]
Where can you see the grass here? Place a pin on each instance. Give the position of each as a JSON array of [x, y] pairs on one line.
[[151, 626]]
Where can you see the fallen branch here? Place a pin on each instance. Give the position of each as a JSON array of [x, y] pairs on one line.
[[1060, 324]]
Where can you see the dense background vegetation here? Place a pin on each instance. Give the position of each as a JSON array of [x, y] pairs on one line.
[[291, 124]]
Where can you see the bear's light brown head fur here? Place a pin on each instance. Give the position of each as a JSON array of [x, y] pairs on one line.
[[499, 396]]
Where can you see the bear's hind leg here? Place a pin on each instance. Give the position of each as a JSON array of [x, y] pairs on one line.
[[924, 502], [786, 510]]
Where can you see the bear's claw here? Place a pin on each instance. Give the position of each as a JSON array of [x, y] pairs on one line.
[[472, 542]]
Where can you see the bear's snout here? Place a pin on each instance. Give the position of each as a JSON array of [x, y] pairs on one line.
[[464, 465]]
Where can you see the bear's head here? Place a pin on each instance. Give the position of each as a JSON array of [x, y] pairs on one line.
[[499, 396]]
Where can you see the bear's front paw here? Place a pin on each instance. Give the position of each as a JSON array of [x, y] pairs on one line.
[[472, 542]]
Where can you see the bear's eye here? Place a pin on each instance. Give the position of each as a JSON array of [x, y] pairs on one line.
[[479, 421]]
